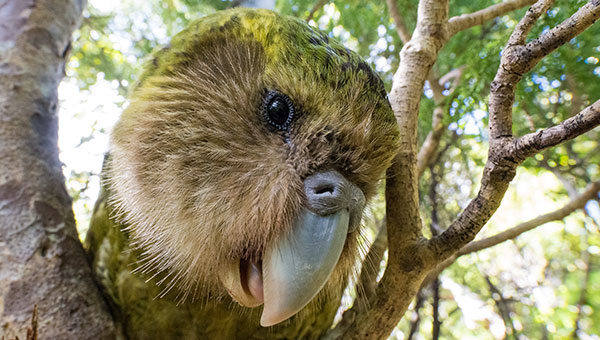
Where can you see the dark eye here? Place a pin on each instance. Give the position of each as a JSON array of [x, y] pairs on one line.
[[278, 110]]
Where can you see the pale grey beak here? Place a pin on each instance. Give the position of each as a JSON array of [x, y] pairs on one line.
[[298, 264], [296, 269]]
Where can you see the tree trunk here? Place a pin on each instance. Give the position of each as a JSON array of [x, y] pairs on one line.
[[42, 261]]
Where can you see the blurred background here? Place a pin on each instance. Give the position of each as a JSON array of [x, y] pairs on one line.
[[544, 284]]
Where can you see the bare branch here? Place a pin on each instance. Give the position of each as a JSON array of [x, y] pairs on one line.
[[506, 79], [465, 21], [503, 307], [401, 28], [581, 123], [519, 35], [521, 58], [505, 154], [576, 203], [371, 266], [315, 8], [454, 76], [432, 140], [409, 259]]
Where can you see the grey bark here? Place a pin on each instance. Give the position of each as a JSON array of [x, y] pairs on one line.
[[411, 256], [41, 259]]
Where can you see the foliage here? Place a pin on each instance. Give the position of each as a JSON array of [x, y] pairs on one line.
[[548, 279]]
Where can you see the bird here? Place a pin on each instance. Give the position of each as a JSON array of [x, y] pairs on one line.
[[235, 181]]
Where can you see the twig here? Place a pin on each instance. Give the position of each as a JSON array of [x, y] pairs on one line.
[[315, 8], [503, 307], [505, 153], [465, 21], [435, 306], [579, 124], [526, 23], [416, 320], [432, 140], [575, 204], [401, 28], [506, 79], [522, 58]]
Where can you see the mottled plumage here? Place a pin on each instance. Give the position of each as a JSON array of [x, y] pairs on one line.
[[196, 179]]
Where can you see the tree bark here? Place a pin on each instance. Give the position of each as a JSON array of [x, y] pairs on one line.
[[42, 261], [411, 256]]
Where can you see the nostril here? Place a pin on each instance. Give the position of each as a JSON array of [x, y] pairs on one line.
[[326, 189], [329, 192]]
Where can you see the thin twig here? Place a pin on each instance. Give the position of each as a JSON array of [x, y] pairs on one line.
[[435, 306], [505, 153], [577, 203], [579, 124], [519, 35], [416, 319], [315, 8], [401, 28], [465, 21], [503, 307]]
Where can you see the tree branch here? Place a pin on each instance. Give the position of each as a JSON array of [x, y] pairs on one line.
[[519, 35], [506, 79], [576, 203], [318, 5], [432, 140], [408, 258], [401, 28], [505, 154], [465, 21], [581, 123], [522, 58]]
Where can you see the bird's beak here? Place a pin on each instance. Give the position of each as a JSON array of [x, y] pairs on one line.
[[297, 266]]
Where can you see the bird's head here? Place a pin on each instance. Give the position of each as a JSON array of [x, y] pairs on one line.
[[246, 156]]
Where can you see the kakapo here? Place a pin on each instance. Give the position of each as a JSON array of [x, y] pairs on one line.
[[239, 172]]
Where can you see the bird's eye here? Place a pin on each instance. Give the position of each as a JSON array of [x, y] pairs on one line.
[[278, 110]]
